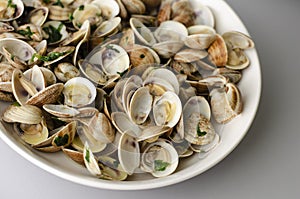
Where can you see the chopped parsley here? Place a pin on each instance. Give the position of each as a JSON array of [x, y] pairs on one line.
[[81, 7], [200, 133], [16, 104], [71, 17], [122, 73], [59, 3], [87, 156], [50, 57], [46, 1], [160, 165], [110, 47], [61, 141], [11, 5], [26, 32], [54, 34]]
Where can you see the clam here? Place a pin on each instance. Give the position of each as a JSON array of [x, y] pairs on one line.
[[167, 109], [122, 123], [127, 40], [183, 12], [112, 168], [196, 118], [164, 13], [56, 55], [109, 8], [143, 55], [82, 34], [26, 114], [90, 161], [79, 92], [101, 128], [226, 103], [65, 71], [233, 76], [160, 159], [190, 55], [38, 16], [129, 153], [143, 33], [59, 12], [17, 52], [61, 110], [107, 27], [123, 12], [11, 10], [34, 133], [84, 135], [171, 31], [235, 39], [89, 12], [4, 27], [74, 155], [200, 37], [140, 105], [237, 59], [218, 52], [204, 15], [134, 6], [113, 59]]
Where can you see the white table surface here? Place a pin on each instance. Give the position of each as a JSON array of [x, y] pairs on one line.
[[264, 165]]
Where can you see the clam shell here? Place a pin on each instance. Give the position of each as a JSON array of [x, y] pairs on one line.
[[134, 6], [57, 25], [226, 103], [204, 15], [89, 12], [142, 55], [26, 114], [190, 55], [129, 153], [107, 27], [38, 16], [122, 123], [237, 59], [143, 33], [160, 159], [79, 92], [11, 13], [60, 110], [235, 39], [101, 128], [109, 8], [4, 27], [112, 168], [140, 105], [218, 53], [47, 96], [90, 161], [167, 109], [74, 155], [65, 71], [41, 133]]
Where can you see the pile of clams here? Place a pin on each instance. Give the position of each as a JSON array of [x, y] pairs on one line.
[[119, 86]]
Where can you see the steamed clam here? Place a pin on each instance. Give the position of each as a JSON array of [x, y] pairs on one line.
[[119, 104]]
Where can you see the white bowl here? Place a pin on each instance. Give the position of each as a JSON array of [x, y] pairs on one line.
[[231, 133]]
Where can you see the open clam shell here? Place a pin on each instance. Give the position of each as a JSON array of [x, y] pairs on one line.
[[38, 16], [11, 10], [235, 39], [26, 114], [226, 103], [109, 8], [129, 153], [143, 33], [160, 159], [55, 32], [79, 92], [89, 12]]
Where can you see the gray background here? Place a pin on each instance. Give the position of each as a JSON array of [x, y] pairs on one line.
[[264, 165]]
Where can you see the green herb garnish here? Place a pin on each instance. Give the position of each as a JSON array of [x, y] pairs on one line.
[[54, 33], [46, 1], [71, 17], [122, 73], [16, 104], [81, 7], [26, 32], [200, 133], [160, 165], [87, 156], [59, 3], [61, 141], [11, 5], [110, 47], [50, 57]]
